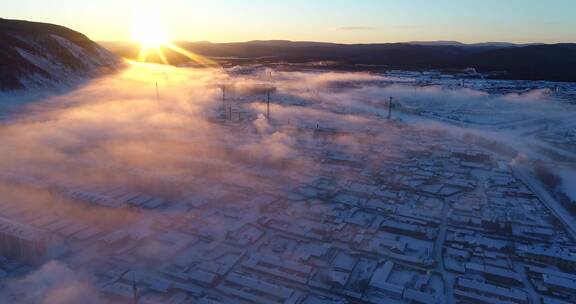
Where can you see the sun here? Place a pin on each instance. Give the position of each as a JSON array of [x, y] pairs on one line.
[[149, 31], [150, 36]]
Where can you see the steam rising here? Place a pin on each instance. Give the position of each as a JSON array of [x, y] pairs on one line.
[[183, 146]]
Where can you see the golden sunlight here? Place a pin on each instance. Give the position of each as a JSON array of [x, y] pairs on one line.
[[150, 32]]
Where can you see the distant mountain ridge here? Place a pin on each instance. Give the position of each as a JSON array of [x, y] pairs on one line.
[[553, 62], [478, 44], [43, 55]]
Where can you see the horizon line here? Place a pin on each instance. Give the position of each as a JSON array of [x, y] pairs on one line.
[[439, 42]]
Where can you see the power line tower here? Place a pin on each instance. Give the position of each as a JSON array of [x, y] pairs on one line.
[[270, 89], [157, 92], [134, 289], [223, 87], [390, 105], [268, 92]]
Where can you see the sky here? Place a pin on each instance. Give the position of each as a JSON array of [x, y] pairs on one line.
[[343, 21]]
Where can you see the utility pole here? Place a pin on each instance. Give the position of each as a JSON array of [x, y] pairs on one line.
[[268, 105], [223, 87], [390, 108], [134, 289], [157, 92]]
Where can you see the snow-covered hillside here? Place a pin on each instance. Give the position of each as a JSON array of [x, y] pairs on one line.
[[41, 55]]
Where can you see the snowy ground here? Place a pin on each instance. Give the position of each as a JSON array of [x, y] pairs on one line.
[[182, 181], [569, 182]]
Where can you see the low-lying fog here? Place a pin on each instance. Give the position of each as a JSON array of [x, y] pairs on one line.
[[183, 142]]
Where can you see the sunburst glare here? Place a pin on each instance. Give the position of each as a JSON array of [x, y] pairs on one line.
[[151, 33]]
